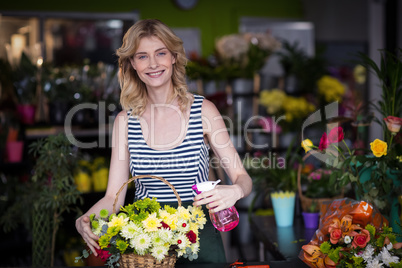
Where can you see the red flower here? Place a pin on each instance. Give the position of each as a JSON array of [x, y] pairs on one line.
[[103, 254], [323, 142], [192, 237], [164, 225], [360, 239], [336, 135]]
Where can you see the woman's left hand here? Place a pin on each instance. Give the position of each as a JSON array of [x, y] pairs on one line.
[[222, 197]]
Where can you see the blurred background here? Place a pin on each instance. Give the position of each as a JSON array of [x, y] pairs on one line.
[[244, 56]]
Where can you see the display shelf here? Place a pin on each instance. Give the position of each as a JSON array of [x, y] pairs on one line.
[[42, 132]]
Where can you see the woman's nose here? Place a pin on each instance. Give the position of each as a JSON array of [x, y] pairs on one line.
[[153, 63]]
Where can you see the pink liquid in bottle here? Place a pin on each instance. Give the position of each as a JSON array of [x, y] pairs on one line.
[[224, 220]]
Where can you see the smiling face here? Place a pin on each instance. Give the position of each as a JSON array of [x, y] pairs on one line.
[[153, 63]]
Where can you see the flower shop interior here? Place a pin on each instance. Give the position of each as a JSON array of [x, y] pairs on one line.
[[311, 92]]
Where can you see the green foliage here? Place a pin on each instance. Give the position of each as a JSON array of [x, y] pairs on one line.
[[306, 69], [389, 72]]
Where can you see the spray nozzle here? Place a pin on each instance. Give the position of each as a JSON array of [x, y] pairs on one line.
[[205, 186]]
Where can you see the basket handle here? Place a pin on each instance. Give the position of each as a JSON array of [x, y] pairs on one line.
[[146, 176]]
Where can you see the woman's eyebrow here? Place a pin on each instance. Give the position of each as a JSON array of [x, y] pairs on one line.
[[162, 48]]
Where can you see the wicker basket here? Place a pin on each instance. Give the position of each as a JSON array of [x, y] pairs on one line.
[[306, 201], [130, 260]]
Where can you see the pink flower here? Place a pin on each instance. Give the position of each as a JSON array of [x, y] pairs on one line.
[[336, 135], [269, 125], [323, 142], [393, 123]]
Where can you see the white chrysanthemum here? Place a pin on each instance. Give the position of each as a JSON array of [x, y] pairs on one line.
[[347, 239], [183, 213], [368, 253], [156, 239], [159, 252], [141, 243], [387, 258], [182, 241], [165, 234], [195, 247], [375, 263], [390, 246], [130, 230], [180, 252], [183, 226], [151, 223]]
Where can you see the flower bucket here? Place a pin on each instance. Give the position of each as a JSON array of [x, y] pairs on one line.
[[311, 219], [284, 207], [393, 216], [242, 86], [27, 113], [14, 151]]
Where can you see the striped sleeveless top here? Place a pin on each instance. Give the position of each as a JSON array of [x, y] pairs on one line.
[[183, 166]]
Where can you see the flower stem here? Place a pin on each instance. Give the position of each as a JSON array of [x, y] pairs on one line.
[[347, 147]]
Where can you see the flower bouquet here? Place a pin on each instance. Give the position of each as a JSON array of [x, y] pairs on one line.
[[144, 234], [352, 234]]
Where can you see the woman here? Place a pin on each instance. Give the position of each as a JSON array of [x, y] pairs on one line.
[[165, 131]]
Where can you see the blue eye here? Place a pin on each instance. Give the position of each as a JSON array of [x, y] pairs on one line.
[[161, 53], [141, 57]]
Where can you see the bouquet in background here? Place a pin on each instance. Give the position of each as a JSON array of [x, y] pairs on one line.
[[145, 228], [352, 234], [289, 111], [245, 54]]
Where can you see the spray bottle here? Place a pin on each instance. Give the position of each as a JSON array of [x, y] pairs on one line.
[[224, 220]]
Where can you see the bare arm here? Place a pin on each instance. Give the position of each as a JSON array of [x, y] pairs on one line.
[[118, 175], [223, 196]]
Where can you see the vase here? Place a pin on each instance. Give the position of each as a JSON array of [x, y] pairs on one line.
[[311, 219], [242, 86], [284, 207], [14, 151], [27, 113]]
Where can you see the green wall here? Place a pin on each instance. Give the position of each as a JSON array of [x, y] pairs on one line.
[[213, 17]]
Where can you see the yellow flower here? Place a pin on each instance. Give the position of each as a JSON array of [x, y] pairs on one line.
[[307, 144], [118, 221], [379, 147], [151, 223], [183, 213], [331, 88], [272, 99]]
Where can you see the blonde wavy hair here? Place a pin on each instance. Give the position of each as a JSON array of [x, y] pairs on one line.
[[133, 91]]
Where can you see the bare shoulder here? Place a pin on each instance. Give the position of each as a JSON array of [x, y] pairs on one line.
[[209, 109]]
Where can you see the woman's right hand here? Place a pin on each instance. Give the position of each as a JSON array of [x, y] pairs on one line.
[[84, 228]]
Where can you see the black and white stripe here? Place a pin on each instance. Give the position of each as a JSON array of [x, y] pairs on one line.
[[183, 166]]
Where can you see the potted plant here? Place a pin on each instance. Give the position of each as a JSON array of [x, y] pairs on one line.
[[277, 179], [25, 79], [311, 216], [243, 55], [301, 71], [43, 199]]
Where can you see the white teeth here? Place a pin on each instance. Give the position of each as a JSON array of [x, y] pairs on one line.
[[155, 74]]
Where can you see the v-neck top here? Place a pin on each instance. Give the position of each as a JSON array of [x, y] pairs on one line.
[[182, 166]]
